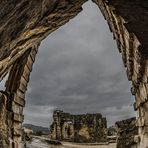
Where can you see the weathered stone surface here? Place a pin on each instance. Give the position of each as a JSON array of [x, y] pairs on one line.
[[16, 86], [24, 24], [5, 119], [131, 34], [87, 128], [126, 132]]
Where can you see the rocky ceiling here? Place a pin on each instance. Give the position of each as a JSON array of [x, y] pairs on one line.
[[24, 23]]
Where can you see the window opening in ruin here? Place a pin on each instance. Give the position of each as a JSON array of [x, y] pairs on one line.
[[79, 70], [68, 131]]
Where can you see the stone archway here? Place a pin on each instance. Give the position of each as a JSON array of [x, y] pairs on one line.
[[24, 24]]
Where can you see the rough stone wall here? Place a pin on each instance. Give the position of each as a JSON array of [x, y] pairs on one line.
[[25, 23], [78, 128], [4, 120], [12, 100], [128, 20], [16, 86], [126, 133]]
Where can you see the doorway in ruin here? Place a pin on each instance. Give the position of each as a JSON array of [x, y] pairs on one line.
[[84, 73]]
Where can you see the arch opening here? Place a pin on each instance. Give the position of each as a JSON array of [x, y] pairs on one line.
[[62, 56], [131, 43]]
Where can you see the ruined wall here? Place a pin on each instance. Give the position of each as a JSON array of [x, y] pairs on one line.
[[78, 128], [12, 100], [16, 86], [5, 121], [128, 20], [24, 24], [126, 133]]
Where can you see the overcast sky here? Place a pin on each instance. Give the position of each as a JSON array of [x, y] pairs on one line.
[[78, 69]]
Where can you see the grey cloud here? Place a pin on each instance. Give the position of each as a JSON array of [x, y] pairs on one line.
[[114, 114], [40, 114]]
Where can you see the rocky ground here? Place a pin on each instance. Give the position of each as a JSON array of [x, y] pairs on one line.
[[71, 145], [39, 143]]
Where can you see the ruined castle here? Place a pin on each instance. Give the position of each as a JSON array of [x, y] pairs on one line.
[[78, 128]]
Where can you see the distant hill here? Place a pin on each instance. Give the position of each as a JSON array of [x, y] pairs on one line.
[[36, 128]]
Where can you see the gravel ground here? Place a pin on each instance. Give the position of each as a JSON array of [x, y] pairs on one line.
[[38, 143], [69, 145]]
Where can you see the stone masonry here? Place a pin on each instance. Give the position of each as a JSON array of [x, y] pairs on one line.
[[85, 128], [25, 23], [126, 133], [12, 101]]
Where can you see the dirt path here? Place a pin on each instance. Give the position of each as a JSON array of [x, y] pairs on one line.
[[42, 142], [70, 145]]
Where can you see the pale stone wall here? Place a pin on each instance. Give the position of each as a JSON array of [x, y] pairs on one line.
[[78, 128], [12, 100], [24, 24], [126, 133], [131, 33], [4, 134]]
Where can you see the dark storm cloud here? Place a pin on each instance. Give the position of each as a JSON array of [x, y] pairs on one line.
[[78, 69]]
